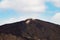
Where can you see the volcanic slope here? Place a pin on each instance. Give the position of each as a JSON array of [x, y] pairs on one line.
[[30, 29]]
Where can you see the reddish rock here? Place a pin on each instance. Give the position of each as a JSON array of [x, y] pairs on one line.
[[30, 29]]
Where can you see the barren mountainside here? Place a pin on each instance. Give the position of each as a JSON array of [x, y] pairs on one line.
[[30, 29]]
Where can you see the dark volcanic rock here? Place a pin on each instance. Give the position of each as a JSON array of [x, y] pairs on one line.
[[30, 29]]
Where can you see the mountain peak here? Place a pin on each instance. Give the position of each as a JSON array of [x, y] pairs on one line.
[[29, 20], [30, 29]]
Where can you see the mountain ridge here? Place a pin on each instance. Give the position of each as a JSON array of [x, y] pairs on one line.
[[32, 29]]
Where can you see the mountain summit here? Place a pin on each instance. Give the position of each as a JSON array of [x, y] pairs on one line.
[[30, 29]]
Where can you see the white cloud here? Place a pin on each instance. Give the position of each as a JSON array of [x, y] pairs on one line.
[[56, 18], [15, 19], [5, 4], [56, 2], [10, 20], [24, 5]]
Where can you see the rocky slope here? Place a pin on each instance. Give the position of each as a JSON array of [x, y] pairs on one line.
[[30, 29]]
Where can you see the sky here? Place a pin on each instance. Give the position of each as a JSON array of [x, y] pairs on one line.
[[17, 10]]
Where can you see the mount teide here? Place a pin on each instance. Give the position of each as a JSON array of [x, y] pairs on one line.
[[30, 29]]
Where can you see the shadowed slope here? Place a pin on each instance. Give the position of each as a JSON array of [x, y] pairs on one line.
[[30, 29]]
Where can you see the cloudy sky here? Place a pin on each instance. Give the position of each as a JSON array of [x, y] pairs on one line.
[[17, 10]]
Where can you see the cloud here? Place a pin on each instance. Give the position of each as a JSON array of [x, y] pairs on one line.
[[56, 3], [20, 18], [24, 5], [10, 20], [5, 4], [56, 18]]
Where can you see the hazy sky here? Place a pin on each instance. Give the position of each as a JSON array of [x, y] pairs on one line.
[[17, 10]]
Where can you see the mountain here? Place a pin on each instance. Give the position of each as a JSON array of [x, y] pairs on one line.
[[30, 29]]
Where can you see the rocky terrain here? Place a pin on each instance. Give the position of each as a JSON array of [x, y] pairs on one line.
[[30, 29]]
